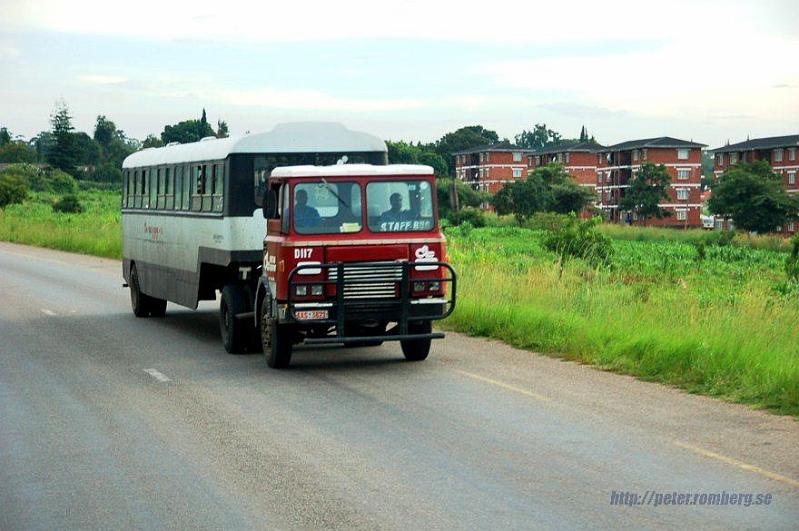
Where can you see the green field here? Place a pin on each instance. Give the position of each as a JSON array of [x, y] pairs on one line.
[[726, 325]]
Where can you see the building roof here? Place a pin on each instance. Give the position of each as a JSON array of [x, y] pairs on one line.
[[769, 142], [497, 146], [571, 146], [659, 142], [297, 137], [343, 170]]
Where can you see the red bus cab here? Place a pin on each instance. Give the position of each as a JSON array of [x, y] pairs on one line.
[[353, 255]]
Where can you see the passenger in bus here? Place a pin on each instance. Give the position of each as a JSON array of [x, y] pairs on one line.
[[395, 213], [304, 216]]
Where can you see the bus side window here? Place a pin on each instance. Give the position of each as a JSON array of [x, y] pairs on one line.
[[159, 185], [199, 187], [177, 187], [125, 188], [218, 187], [145, 189], [207, 186], [136, 189], [186, 199], [153, 188], [169, 197]]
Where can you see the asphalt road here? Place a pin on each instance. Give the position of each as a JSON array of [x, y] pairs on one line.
[[108, 421]]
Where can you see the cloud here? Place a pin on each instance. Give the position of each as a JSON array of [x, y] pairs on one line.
[[8, 52], [101, 79], [308, 100]]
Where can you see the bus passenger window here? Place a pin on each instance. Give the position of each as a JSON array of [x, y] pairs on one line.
[[153, 189], [186, 199], [145, 189], [159, 186], [218, 187], [199, 188], [168, 197], [207, 187], [177, 187]]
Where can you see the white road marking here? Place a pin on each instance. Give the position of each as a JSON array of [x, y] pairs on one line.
[[51, 313], [157, 375]]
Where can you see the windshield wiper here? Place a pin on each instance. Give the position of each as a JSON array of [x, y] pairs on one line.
[[330, 189]]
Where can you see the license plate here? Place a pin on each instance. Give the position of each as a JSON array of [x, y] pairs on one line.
[[310, 315]]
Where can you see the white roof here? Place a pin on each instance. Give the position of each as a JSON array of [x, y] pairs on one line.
[[298, 137], [343, 170]]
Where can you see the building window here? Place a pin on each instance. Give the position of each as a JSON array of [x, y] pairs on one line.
[[682, 194], [644, 152], [682, 154], [791, 227], [517, 157], [792, 177], [635, 154], [538, 160], [792, 154], [682, 214], [733, 158], [778, 155], [720, 159], [517, 172], [683, 173]]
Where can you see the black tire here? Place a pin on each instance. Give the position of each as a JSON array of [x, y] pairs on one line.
[[417, 349], [236, 333], [143, 305], [276, 339]]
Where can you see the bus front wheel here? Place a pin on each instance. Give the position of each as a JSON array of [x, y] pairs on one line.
[[276, 339]]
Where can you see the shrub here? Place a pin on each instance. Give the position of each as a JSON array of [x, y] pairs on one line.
[[68, 204], [548, 221], [475, 217], [13, 189], [61, 183], [580, 239]]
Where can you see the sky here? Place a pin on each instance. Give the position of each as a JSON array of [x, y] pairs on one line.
[[703, 70]]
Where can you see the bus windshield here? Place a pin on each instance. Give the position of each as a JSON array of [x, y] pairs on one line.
[[327, 207], [400, 206]]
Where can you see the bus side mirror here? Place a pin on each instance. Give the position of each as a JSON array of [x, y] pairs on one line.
[[270, 204]]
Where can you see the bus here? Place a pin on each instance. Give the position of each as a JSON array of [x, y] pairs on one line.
[[192, 218]]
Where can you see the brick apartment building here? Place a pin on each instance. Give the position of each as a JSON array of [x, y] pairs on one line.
[[488, 168], [578, 158], [781, 152], [683, 161]]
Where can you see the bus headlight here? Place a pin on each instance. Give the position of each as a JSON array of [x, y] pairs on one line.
[[316, 290], [301, 291], [434, 286], [418, 286]]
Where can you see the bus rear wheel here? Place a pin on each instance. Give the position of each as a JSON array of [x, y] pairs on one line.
[[276, 339], [143, 305], [417, 349], [236, 333]]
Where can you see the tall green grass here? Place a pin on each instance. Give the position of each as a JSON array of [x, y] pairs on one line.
[[717, 327], [96, 231]]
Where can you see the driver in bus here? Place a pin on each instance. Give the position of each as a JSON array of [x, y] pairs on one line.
[[304, 216], [395, 213]]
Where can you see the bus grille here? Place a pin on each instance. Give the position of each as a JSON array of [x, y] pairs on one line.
[[369, 282]]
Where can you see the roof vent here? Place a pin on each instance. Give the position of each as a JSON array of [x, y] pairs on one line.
[[206, 138], [172, 144]]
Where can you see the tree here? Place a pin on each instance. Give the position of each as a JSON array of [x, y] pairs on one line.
[[754, 197], [154, 141], [647, 188], [404, 153], [539, 137], [13, 152], [564, 194], [62, 154], [187, 131], [5, 136], [222, 129], [583, 134], [464, 138], [87, 150], [523, 198], [104, 131]]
